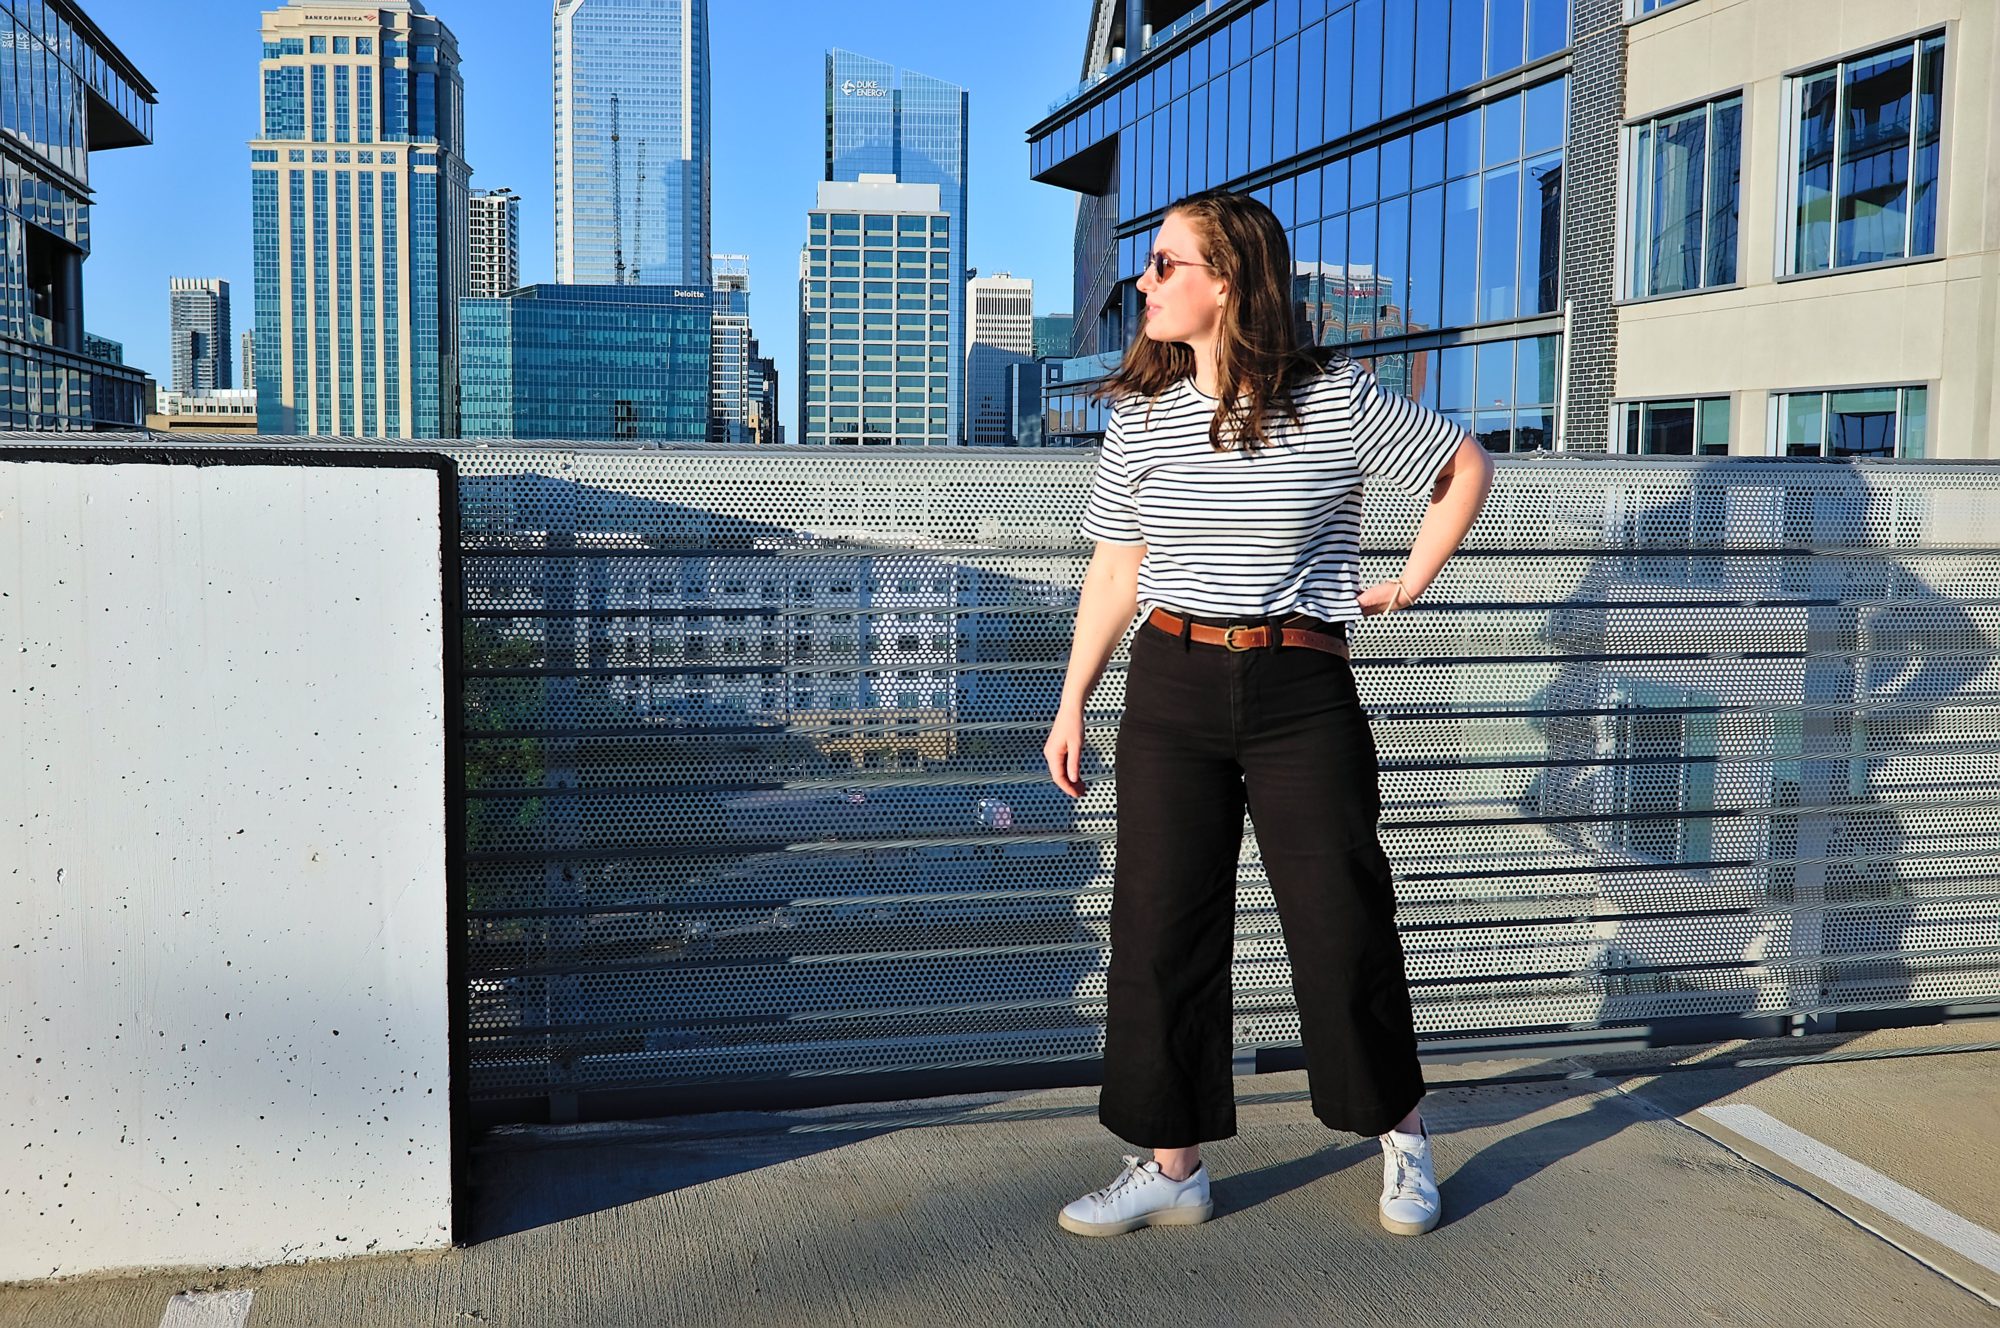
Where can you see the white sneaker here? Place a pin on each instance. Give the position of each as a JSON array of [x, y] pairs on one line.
[[1410, 1204], [1142, 1196]]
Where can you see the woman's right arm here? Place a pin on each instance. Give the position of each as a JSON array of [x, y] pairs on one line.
[[1105, 608]]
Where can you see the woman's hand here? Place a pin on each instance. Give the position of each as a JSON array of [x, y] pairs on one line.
[[1064, 751], [1376, 599]]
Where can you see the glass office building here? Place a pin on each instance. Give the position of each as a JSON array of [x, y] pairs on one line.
[[1413, 150], [360, 199], [635, 209], [1052, 335], [65, 92], [912, 127], [876, 364], [587, 364]]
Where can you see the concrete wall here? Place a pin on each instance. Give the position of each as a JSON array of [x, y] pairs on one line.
[[223, 1006], [1921, 322]]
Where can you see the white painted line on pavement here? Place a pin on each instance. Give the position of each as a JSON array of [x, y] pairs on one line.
[[1864, 1183], [208, 1309]]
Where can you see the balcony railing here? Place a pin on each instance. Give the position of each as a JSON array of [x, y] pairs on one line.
[[1164, 35]]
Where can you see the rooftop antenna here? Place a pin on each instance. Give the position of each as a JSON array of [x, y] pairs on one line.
[[617, 204], [639, 214]]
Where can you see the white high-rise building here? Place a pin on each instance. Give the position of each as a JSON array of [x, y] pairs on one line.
[[733, 402], [247, 367], [1002, 333], [200, 312], [494, 251]]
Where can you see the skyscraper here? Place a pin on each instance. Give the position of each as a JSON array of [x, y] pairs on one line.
[[914, 129], [588, 363], [733, 409], [360, 199], [632, 142], [1003, 334], [1052, 334], [764, 396], [494, 251], [67, 92], [247, 370], [200, 313], [877, 376]]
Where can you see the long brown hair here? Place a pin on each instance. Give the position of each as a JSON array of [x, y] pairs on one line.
[[1263, 348]]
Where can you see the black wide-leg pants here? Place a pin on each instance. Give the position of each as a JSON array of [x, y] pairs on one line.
[[1205, 731]]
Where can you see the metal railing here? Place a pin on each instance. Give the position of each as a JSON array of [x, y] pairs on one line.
[[752, 750]]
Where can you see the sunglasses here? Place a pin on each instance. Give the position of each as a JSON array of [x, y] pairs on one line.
[[1163, 266]]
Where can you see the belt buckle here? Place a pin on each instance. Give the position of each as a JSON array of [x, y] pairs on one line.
[[1229, 638]]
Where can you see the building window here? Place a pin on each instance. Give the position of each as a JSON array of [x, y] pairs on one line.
[[1502, 392], [1863, 158], [1686, 177], [1641, 8], [1675, 428], [1863, 422]]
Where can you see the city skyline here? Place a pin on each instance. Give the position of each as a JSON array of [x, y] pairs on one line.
[[768, 153]]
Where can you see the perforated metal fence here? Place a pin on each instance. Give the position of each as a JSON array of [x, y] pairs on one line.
[[755, 787], [753, 745]]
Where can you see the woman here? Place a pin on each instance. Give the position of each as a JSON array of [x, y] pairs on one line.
[[1227, 504]]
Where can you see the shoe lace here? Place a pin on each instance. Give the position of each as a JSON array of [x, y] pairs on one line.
[[1134, 1168], [1409, 1176]]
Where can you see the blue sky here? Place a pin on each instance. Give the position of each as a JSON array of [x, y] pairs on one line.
[[182, 206]]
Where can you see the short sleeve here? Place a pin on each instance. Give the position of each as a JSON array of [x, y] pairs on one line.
[[1109, 513], [1396, 440]]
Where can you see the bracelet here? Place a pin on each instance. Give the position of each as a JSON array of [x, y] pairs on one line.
[[1403, 592]]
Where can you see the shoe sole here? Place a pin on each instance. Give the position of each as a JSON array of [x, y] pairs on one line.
[[1391, 1225], [1184, 1215]]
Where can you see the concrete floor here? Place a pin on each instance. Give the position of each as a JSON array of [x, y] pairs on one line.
[[1593, 1190]]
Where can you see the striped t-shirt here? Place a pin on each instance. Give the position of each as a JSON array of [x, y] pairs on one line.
[[1227, 533]]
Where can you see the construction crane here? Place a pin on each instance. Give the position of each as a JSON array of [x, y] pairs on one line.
[[639, 215], [617, 204]]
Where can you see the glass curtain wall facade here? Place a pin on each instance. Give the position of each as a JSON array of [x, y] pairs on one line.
[[1412, 149], [587, 364], [637, 210], [1052, 334], [360, 207], [913, 127], [65, 92]]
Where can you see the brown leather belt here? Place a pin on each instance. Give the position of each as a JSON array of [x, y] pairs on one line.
[[1249, 638]]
